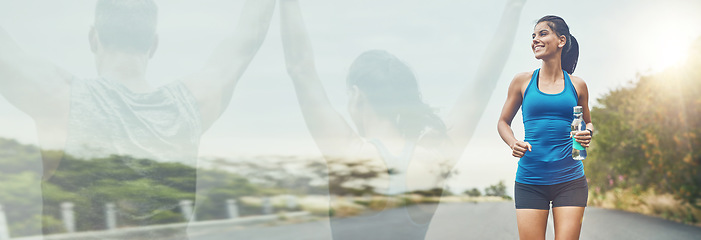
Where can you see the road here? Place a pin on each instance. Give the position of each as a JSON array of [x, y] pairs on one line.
[[494, 220]]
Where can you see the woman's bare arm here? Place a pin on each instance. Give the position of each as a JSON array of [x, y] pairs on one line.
[[214, 85], [469, 107], [332, 134], [514, 99]]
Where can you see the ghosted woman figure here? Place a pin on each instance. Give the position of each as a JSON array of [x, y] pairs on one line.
[[396, 130], [547, 173]]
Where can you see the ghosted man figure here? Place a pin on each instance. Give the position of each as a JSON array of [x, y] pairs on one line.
[[118, 115]]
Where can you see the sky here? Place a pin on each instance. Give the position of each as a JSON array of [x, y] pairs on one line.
[[442, 40]]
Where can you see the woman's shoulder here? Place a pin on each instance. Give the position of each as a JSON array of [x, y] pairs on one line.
[[523, 76], [521, 80], [577, 81], [579, 85]]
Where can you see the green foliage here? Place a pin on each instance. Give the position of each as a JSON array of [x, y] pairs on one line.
[[215, 187], [434, 192], [20, 194], [21, 197], [278, 174], [498, 190], [348, 176], [18, 158], [144, 191], [474, 192], [648, 134]]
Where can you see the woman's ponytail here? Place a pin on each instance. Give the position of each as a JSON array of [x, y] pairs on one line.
[[570, 55]]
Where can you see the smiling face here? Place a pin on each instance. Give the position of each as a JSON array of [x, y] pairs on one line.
[[546, 42]]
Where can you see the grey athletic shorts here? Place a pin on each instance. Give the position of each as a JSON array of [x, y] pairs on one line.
[[572, 193]]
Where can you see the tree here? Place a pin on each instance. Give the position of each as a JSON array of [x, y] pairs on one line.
[[648, 134], [349, 177], [474, 192], [20, 187], [497, 190]]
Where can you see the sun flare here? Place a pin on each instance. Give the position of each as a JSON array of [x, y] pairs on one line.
[[664, 52], [670, 56]]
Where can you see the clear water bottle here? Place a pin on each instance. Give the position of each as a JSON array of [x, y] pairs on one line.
[[579, 152]]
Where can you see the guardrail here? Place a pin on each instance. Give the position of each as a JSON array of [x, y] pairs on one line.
[[129, 233], [186, 208], [4, 230]]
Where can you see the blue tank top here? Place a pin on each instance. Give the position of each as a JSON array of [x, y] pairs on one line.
[[546, 120]]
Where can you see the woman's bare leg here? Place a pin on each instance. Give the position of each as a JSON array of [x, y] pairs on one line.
[[568, 222], [531, 223]]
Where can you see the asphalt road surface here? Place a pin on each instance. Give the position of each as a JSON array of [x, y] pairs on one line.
[[495, 220]]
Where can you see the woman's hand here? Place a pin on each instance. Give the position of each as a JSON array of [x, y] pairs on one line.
[[582, 137], [518, 149]]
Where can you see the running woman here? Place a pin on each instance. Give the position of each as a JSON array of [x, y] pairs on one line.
[[546, 171]]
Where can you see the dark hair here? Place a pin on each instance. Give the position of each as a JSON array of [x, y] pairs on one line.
[[126, 25], [570, 52], [391, 88]]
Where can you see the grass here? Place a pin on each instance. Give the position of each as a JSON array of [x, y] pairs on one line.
[[648, 203]]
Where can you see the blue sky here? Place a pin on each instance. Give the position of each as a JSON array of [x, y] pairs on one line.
[[443, 41]]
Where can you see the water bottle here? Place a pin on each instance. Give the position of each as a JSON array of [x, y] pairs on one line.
[[579, 153]]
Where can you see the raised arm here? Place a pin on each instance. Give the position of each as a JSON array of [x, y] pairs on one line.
[[331, 132], [41, 90], [214, 85], [33, 85], [469, 107]]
